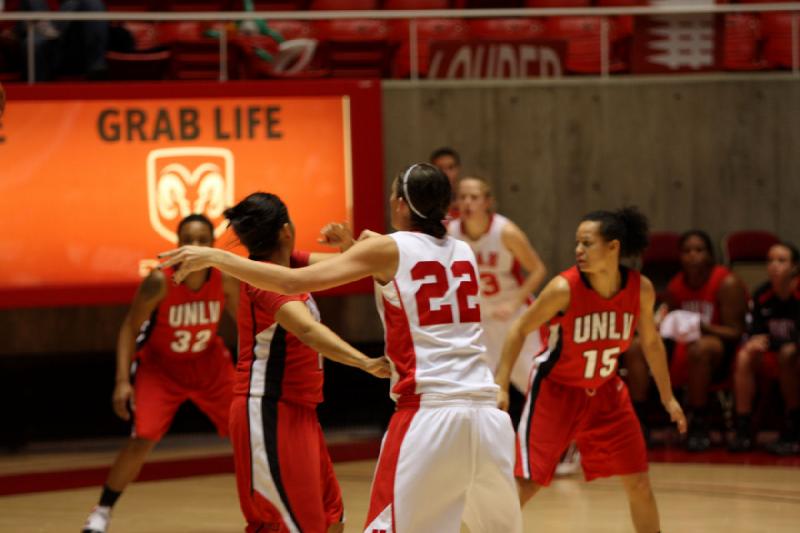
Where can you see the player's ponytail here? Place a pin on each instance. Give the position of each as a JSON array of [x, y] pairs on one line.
[[626, 225], [257, 221], [426, 191]]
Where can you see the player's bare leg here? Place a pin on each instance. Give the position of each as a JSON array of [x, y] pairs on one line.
[[642, 502], [128, 463], [338, 527], [527, 490], [125, 469]]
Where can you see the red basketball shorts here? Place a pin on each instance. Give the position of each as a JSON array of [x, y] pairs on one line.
[[161, 386], [284, 474], [601, 421]]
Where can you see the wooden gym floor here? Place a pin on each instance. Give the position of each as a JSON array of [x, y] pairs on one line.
[[692, 497]]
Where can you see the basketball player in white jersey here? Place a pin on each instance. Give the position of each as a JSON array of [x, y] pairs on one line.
[[502, 251], [448, 454]]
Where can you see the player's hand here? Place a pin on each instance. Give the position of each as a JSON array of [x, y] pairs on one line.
[[676, 414], [503, 311], [337, 234], [758, 343], [188, 259], [368, 234], [123, 400], [502, 399], [660, 313], [379, 367]]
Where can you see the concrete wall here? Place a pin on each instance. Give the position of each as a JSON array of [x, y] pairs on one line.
[[717, 154]]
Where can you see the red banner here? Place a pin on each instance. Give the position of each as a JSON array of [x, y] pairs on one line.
[[98, 183]]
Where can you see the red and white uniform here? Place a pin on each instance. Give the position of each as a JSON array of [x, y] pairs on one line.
[[704, 301], [575, 393], [447, 455], [501, 279], [181, 358], [284, 474]]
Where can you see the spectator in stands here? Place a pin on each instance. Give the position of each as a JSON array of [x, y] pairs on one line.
[[68, 47], [707, 305], [772, 341], [449, 162]]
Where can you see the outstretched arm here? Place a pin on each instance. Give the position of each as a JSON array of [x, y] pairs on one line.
[[295, 318], [376, 257], [553, 299], [656, 354], [519, 245]]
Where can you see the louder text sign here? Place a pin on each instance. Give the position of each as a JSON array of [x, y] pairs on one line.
[[497, 59]]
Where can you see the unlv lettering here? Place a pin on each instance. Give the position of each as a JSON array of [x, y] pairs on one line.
[[194, 314], [603, 326], [489, 259]]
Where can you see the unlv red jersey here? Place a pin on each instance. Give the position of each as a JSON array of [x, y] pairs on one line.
[[273, 363], [184, 325], [703, 300], [585, 341]]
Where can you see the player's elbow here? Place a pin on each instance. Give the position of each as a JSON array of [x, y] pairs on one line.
[[291, 284]]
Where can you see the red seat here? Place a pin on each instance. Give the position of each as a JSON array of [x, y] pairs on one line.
[[428, 31], [746, 254], [337, 5], [356, 47], [558, 3], [661, 260], [747, 245], [506, 29], [145, 34], [583, 43], [194, 5], [138, 66], [486, 4], [294, 29], [777, 31], [273, 5], [416, 4], [741, 42], [129, 5], [195, 54], [620, 3]]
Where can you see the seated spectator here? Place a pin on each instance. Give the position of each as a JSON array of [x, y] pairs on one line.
[[712, 303], [772, 341], [68, 47]]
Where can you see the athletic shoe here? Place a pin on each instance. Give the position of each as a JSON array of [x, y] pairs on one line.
[[98, 520], [698, 441], [787, 444]]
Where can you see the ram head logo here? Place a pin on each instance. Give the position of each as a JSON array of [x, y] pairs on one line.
[[182, 181]]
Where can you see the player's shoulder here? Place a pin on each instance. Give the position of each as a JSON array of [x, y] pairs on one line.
[[155, 284]]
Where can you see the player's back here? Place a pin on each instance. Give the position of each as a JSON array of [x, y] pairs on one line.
[[431, 314]]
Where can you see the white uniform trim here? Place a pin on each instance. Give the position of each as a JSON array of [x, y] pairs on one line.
[[262, 479]]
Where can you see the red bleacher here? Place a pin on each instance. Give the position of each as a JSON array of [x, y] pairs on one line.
[[356, 47]]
